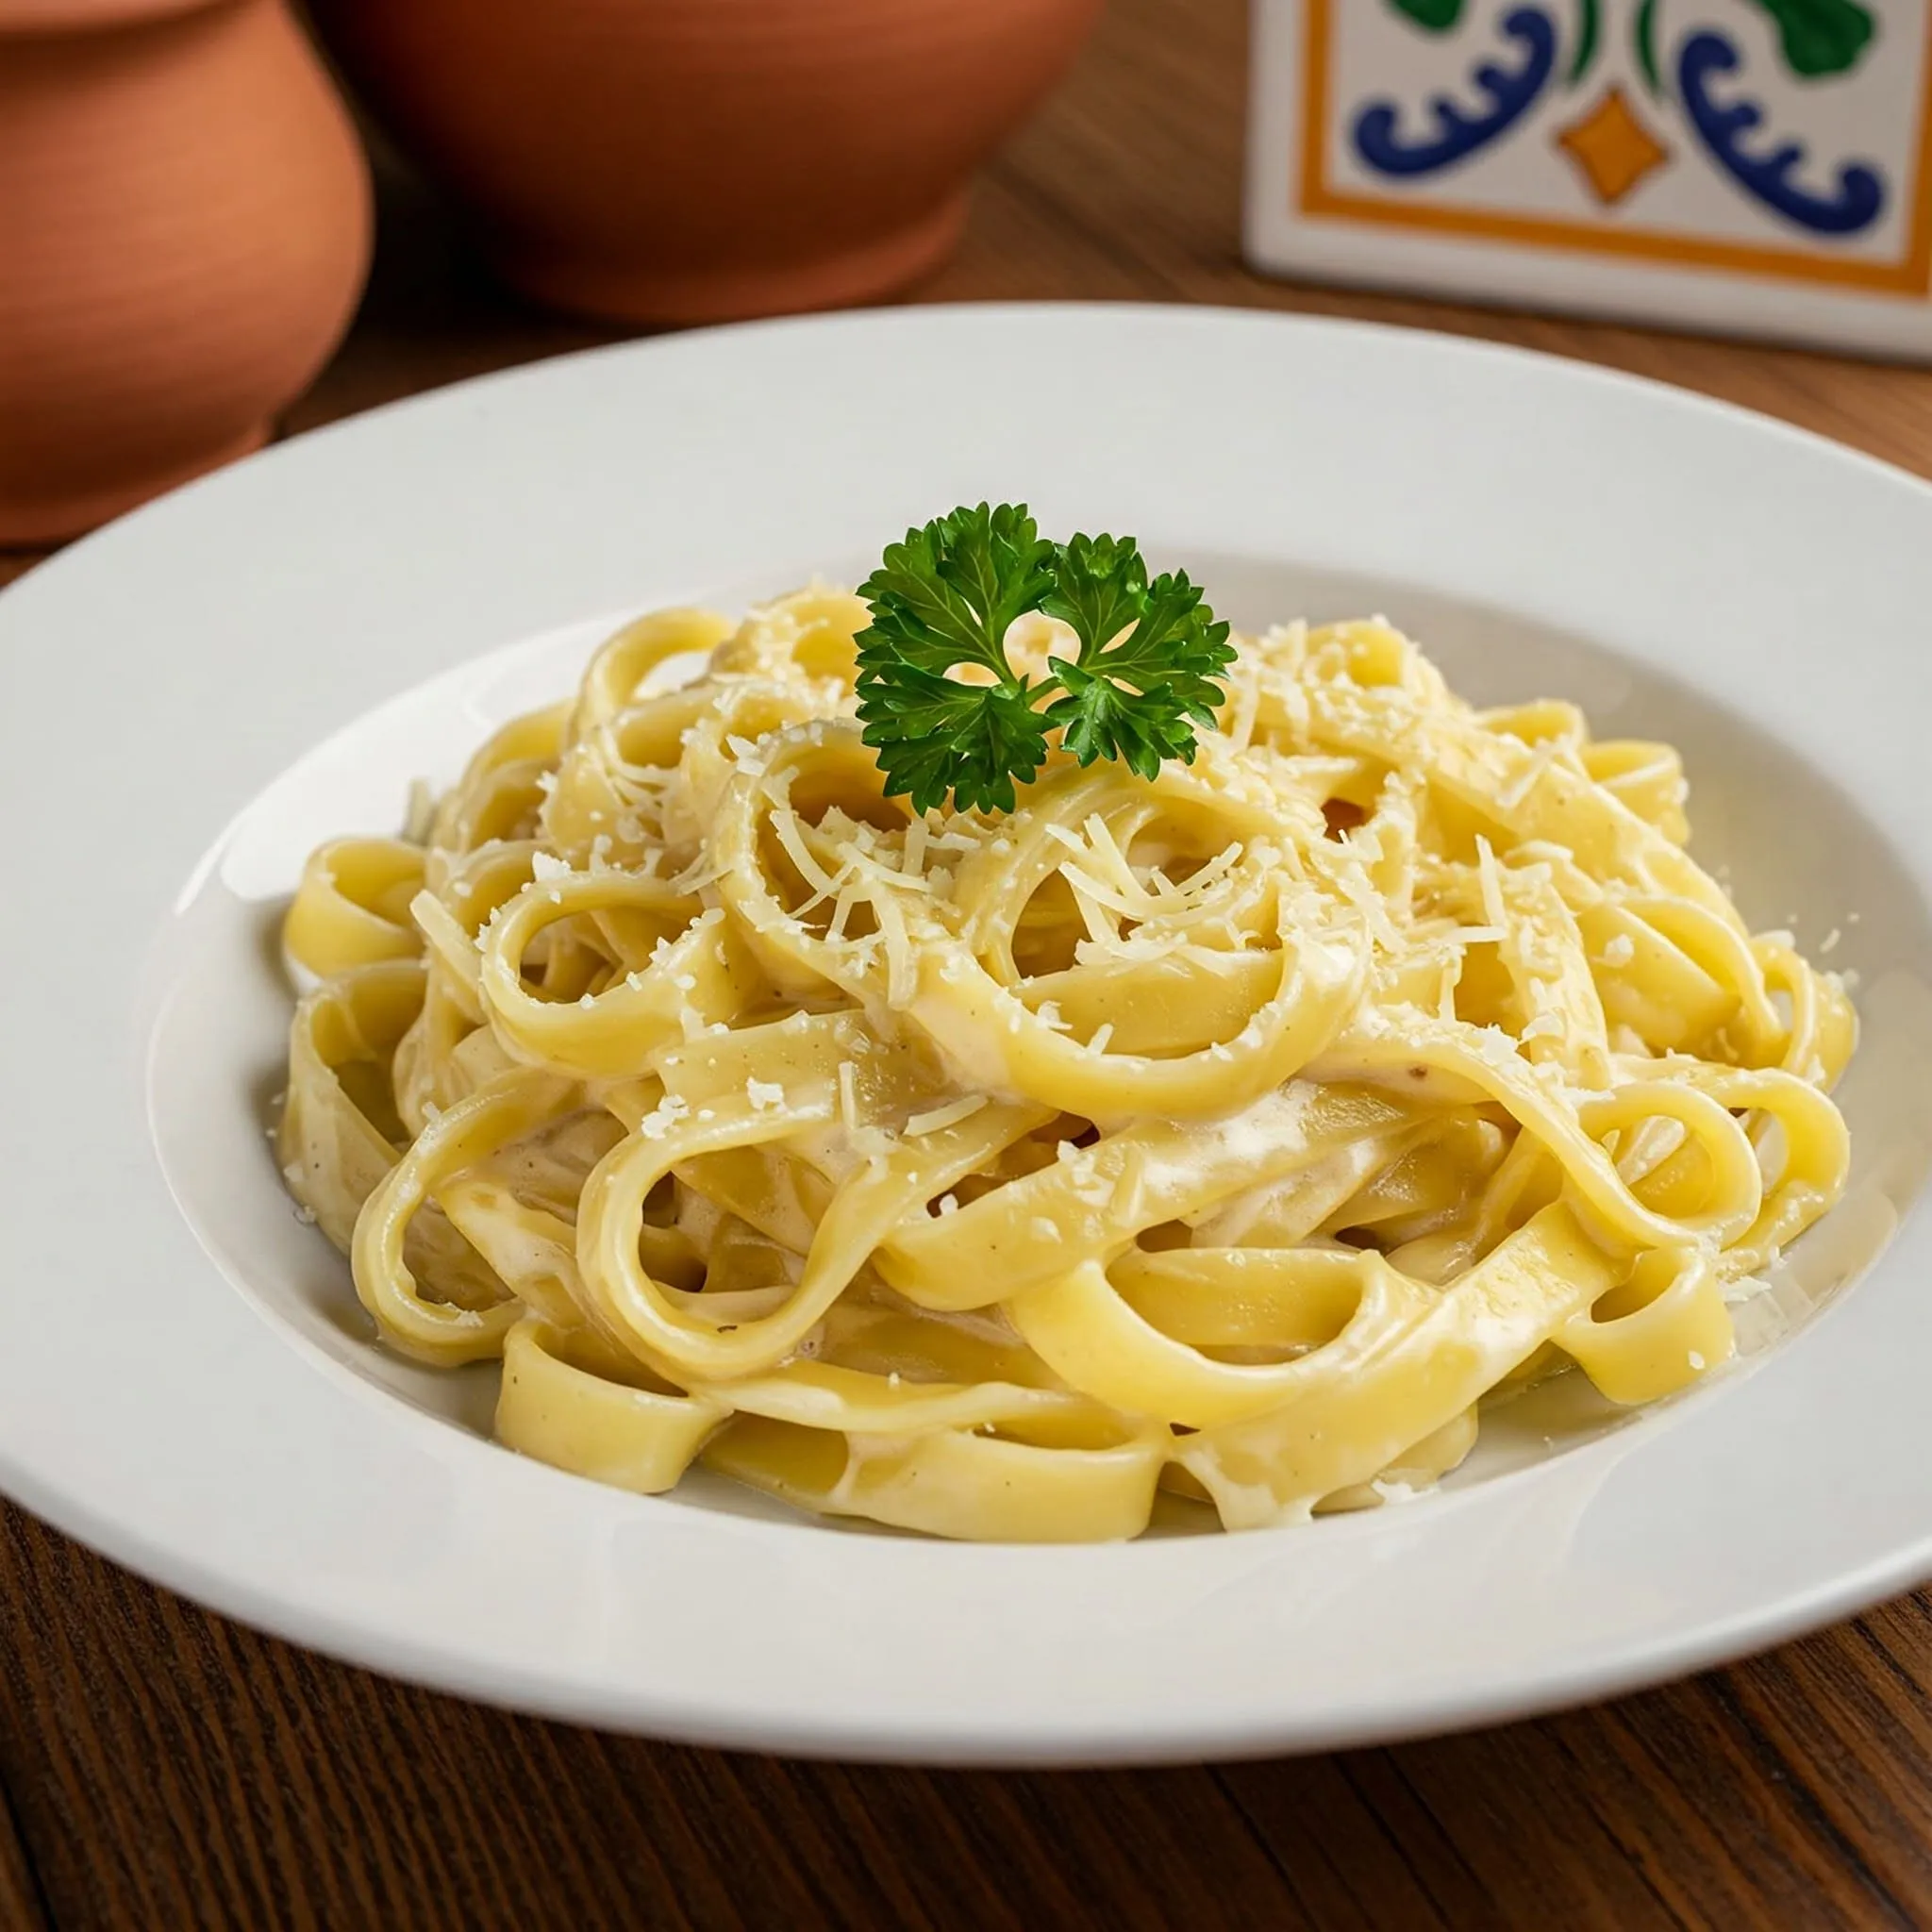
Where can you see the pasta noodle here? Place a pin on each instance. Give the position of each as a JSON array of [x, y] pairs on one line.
[[1238, 1132]]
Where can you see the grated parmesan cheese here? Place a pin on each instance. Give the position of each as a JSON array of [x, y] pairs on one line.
[[1495, 909], [916, 835], [669, 1112], [902, 976], [950, 1115]]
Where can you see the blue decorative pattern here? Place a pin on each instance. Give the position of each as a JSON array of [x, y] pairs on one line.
[[1379, 143], [1859, 196]]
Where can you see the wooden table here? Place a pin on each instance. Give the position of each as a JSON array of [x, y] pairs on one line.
[[163, 1766]]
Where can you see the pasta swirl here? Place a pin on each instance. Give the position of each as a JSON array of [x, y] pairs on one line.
[[1237, 1132]]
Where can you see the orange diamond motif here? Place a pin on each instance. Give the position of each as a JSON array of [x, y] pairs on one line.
[[1613, 148]]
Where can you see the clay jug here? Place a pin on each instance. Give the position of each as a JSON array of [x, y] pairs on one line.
[[184, 231], [692, 160]]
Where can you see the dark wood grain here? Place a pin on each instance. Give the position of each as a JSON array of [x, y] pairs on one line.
[[20, 1895], [169, 1767], [163, 1766]]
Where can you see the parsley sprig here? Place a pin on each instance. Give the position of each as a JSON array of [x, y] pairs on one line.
[[1143, 677]]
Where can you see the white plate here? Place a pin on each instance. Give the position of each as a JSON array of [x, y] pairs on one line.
[[185, 1382]]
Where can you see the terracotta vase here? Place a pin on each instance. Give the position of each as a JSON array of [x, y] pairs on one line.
[[694, 160], [184, 231]]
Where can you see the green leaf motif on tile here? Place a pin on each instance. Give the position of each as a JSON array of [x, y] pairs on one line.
[[1644, 34], [1820, 37], [1438, 16], [1589, 26]]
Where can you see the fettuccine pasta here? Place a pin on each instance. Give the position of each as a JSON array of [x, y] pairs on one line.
[[1239, 1132]]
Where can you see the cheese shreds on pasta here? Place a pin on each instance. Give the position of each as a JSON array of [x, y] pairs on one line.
[[1237, 1132]]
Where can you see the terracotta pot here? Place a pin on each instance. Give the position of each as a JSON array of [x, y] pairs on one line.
[[692, 160], [184, 231]]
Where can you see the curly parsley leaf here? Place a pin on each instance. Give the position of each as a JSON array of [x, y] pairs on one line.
[[934, 735], [944, 598], [947, 596], [1148, 656]]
